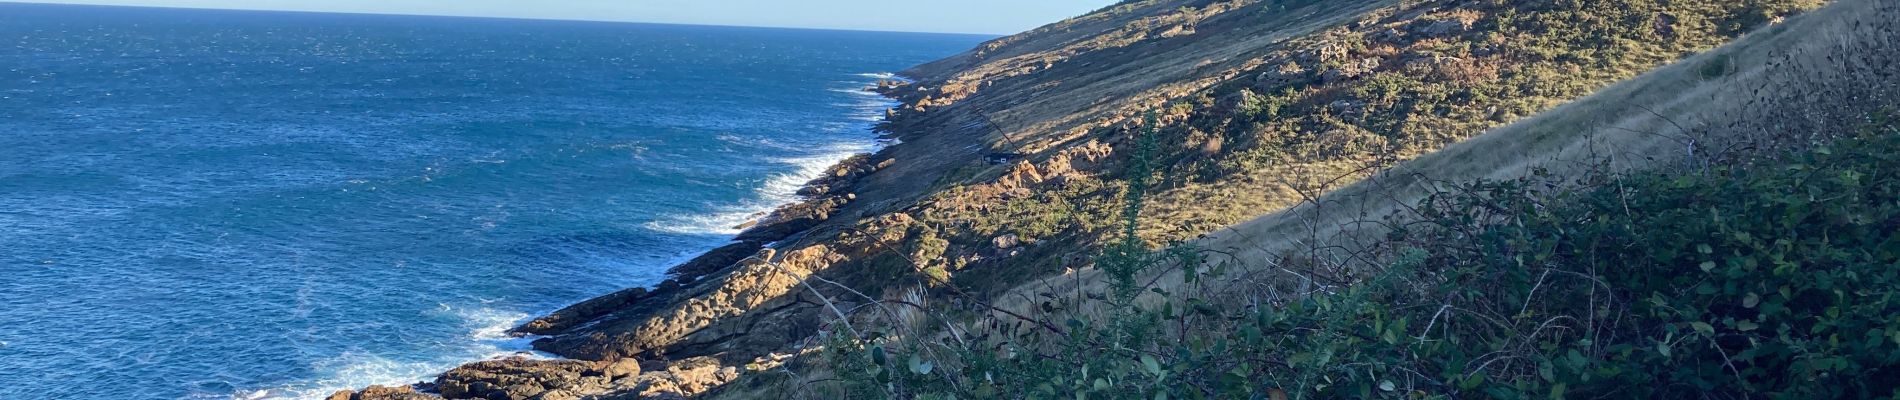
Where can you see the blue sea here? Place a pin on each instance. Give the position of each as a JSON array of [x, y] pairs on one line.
[[221, 204]]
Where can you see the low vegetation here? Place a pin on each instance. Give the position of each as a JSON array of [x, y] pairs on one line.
[[1320, 113], [1440, 308], [1756, 280], [1761, 264]]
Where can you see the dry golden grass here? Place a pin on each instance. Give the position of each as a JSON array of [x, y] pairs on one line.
[[1672, 115], [1784, 85]]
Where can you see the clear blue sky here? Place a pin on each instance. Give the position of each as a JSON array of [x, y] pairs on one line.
[[961, 16]]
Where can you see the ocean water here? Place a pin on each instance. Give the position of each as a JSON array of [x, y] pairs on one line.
[[216, 204]]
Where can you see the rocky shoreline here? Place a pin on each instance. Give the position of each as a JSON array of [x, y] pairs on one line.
[[653, 365], [1013, 164], [992, 143]]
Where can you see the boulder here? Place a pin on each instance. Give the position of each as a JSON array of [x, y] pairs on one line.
[[622, 368], [1352, 70], [1006, 242], [523, 379], [1274, 79], [1022, 175], [382, 393], [684, 379]]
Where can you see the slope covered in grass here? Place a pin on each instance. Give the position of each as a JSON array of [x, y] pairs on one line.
[[1720, 228], [1015, 163]]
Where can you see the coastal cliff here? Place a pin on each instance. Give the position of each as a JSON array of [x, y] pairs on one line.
[[1013, 164]]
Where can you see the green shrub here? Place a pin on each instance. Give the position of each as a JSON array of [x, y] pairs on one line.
[[1762, 281]]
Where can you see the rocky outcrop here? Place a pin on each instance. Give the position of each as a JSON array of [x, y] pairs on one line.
[[715, 285], [680, 380], [1351, 70], [715, 260], [1051, 108], [568, 318], [528, 379], [705, 317], [521, 378], [824, 196], [710, 306], [792, 219], [382, 393], [1284, 75]]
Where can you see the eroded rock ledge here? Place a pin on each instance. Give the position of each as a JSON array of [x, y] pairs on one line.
[[521, 378], [676, 339]]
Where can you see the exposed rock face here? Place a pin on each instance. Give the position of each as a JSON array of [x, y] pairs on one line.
[[684, 378], [824, 196], [791, 220], [1024, 174], [581, 313], [686, 316], [1006, 242], [778, 225], [520, 378], [715, 260], [704, 318], [523, 379], [1352, 70], [1049, 100], [382, 393]]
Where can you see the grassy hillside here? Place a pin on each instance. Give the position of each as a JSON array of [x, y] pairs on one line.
[[1700, 231], [1019, 160], [1737, 281], [1276, 121]]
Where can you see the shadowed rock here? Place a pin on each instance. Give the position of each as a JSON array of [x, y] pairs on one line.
[[382, 393]]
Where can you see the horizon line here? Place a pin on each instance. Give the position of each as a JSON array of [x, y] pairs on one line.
[[490, 17]]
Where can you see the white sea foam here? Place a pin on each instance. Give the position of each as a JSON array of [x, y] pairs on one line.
[[350, 371], [782, 188], [485, 323], [858, 92], [487, 338], [487, 327]]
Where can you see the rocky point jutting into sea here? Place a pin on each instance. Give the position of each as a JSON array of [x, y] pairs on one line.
[[681, 336], [1009, 166]]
